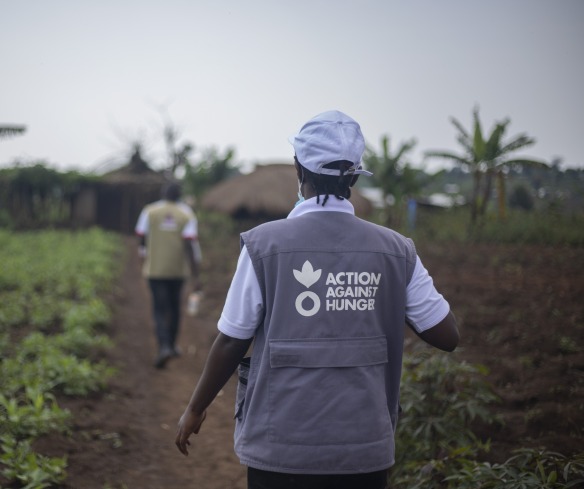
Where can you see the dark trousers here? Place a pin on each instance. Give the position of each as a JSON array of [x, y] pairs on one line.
[[261, 479], [166, 305]]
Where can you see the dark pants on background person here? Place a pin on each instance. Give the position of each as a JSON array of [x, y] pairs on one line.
[[166, 300], [262, 479]]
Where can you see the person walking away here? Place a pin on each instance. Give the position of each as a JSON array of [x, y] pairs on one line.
[[168, 235], [324, 296]]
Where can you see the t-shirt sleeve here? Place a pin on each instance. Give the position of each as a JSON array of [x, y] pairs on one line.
[[191, 228], [141, 228], [244, 306], [425, 307]]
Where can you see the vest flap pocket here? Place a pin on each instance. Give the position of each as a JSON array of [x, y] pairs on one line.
[[328, 352]]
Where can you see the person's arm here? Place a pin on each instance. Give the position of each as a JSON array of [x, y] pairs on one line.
[[223, 359], [141, 230], [427, 312], [142, 250], [444, 335], [193, 264], [190, 235]]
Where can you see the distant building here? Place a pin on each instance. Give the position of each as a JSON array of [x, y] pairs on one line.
[[116, 200], [267, 193]]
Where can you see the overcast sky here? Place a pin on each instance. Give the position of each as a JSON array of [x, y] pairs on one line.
[[89, 78]]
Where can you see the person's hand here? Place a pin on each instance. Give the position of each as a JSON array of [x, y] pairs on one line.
[[189, 423]]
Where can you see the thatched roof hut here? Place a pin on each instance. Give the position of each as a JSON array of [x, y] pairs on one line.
[[269, 192], [125, 191], [136, 171], [116, 200]]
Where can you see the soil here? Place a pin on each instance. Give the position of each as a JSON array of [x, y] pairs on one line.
[[520, 312]]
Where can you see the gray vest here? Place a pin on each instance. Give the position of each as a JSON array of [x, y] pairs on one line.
[[321, 393]]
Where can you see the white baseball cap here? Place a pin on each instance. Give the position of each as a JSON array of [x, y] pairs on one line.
[[327, 137]]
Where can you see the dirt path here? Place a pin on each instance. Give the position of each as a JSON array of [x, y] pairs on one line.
[[126, 439]]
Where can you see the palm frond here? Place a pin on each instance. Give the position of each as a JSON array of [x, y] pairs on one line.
[[493, 146], [465, 143], [448, 156], [463, 132], [11, 130], [385, 146], [404, 148], [478, 143], [518, 142]]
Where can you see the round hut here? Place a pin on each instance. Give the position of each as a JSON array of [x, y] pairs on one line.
[[267, 193]]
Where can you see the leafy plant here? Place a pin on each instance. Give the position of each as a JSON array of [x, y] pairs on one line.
[[440, 397], [528, 469], [12, 309], [89, 314], [33, 414], [435, 445], [18, 462], [54, 296], [54, 370]]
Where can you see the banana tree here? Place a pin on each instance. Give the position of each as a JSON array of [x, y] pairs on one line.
[[392, 173], [487, 159]]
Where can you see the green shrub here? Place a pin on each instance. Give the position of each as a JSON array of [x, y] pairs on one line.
[[32, 414], [435, 445], [21, 464], [528, 469], [82, 341], [440, 397], [52, 370], [12, 309], [91, 313]]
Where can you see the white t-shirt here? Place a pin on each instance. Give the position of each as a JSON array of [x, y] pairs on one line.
[[244, 306]]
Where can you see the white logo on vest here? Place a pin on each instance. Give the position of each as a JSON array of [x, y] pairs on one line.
[[307, 277], [346, 291]]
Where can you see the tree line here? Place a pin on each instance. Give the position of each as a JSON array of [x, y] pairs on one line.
[[484, 166]]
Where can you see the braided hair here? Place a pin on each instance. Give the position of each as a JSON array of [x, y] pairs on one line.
[[327, 185]]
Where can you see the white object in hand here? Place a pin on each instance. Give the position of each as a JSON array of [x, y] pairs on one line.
[[193, 303]]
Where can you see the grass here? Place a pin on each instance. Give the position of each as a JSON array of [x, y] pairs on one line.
[[542, 227]]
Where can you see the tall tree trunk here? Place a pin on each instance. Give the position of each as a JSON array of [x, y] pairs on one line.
[[486, 193], [501, 195], [474, 203]]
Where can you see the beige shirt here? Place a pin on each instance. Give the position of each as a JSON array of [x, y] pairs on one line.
[[166, 225]]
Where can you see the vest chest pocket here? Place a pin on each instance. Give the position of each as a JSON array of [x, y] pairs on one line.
[[328, 391]]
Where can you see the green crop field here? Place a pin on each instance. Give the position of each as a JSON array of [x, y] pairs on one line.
[[52, 311]]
